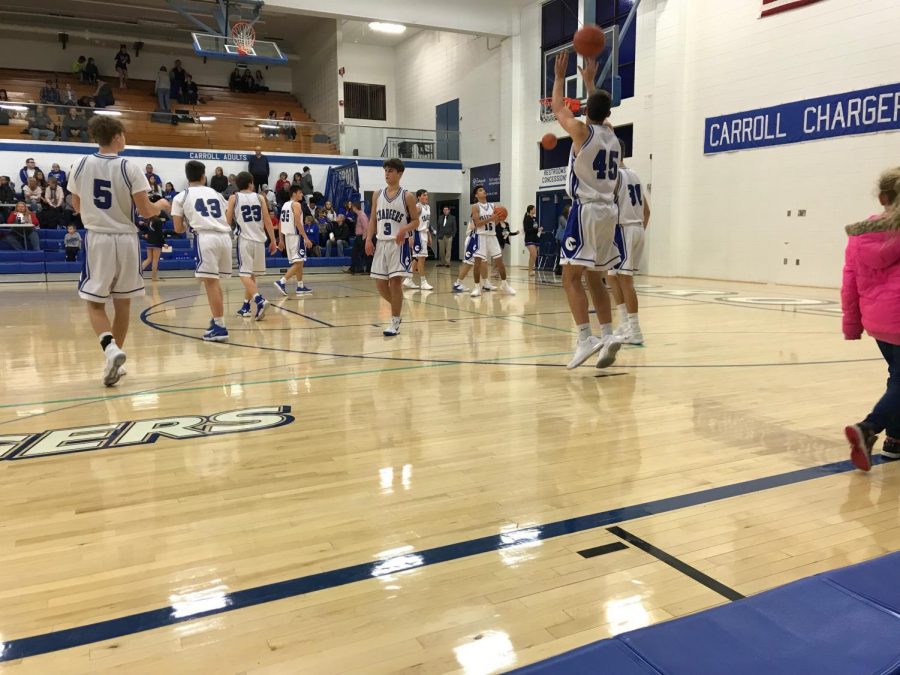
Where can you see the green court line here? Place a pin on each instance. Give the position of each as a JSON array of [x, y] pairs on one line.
[[163, 390]]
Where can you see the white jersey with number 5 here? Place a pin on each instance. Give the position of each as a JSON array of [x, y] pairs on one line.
[[248, 216], [104, 184], [485, 210], [594, 170], [390, 214], [202, 208], [631, 198]]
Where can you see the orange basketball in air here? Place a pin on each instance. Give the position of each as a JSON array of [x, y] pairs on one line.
[[549, 141], [590, 41], [501, 213]]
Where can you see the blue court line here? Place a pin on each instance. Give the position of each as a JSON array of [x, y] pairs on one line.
[[167, 616]]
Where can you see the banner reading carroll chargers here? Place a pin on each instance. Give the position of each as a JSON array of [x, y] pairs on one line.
[[488, 176], [858, 112]]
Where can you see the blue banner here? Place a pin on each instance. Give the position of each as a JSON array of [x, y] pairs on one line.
[[858, 112], [488, 176]]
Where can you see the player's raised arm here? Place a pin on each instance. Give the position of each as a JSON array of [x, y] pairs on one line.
[[589, 76], [576, 129], [413, 224]]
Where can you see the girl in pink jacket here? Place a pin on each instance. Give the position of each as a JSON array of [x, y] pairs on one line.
[[870, 296]]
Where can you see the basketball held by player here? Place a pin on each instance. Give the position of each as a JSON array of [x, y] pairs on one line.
[[486, 217], [106, 189]]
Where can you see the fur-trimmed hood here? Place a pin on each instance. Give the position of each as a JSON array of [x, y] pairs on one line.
[[880, 224], [876, 242]]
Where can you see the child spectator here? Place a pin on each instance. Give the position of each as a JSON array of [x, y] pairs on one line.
[[91, 73], [72, 242]]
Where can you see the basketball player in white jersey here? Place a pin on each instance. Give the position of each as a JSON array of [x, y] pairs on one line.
[[488, 247], [203, 210], [107, 190], [468, 261], [588, 248], [250, 213], [634, 216], [294, 242], [420, 242], [394, 218]]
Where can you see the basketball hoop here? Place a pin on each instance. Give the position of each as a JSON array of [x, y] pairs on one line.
[[547, 115], [244, 37]]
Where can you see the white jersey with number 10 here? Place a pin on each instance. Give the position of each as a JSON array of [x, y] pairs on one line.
[[594, 170]]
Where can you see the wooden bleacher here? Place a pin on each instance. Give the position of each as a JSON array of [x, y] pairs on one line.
[[137, 102]]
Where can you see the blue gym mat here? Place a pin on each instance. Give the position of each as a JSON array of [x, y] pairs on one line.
[[845, 622]]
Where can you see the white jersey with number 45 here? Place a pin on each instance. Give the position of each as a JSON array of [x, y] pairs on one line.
[[631, 198], [486, 210], [594, 170]]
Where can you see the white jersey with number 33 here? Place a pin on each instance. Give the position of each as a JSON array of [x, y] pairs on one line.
[[594, 170]]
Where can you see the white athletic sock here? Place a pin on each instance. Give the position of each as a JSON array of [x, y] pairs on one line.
[[258, 296], [606, 329], [633, 323], [623, 313], [584, 331], [283, 280], [219, 321]]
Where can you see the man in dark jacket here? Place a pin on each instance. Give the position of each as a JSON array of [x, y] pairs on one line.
[[446, 229], [306, 184], [258, 166]]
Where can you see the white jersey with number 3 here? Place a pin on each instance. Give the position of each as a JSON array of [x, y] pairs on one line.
[[594, 170], [631, 198], [390, 214], [486, 210], [104, 184], [202, 208]]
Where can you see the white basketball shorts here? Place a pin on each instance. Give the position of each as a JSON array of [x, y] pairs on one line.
[[212, 251], [391, 259], [471, 248], [295, 248], [251, 256], [111, 268], [488, 247], [420, 244], [589, 239], [630, 243]]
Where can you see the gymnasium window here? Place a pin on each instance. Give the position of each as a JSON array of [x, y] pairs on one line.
[[615, 12], [365, 101]]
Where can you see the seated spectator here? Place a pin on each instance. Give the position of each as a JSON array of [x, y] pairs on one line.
[[78, 68], [232, 186], [59, 175], [169, 191], [177, 78], [74, 126], [103, 97], [219, 181], [148, 171], [69, 217], [270, 197], [22, 216], [41, 179], [287, 125], [27, 171], [248, 84], [234, 80], [272, 121], [312, 231], [338, 234], [190, 94], [3, 95], [40, 126], [91, 74], [260, 82], [155, 191], [33, 194], [53, 202], [72, 242], [282, 183], [86, 102], [50, 94], [7, 198], [69, 97], [329, 212]]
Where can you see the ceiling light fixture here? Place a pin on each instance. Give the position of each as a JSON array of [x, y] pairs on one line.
[[392, 28], [108, 113]]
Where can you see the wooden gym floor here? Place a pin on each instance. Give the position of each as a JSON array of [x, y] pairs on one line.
[[424, 503]]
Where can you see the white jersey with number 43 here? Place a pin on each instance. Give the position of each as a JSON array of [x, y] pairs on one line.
[[594, 170], [485, 210], [202, 208], [631, 198]]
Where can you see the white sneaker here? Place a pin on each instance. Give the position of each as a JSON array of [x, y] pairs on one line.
[[393, 330], [584, 349], [426, 286], [459, 288], [476, 292], [506, 288], [611, 347], [115, 359], [122, 371], [407, 283], [488, 286], [634, 338], [622, 330]]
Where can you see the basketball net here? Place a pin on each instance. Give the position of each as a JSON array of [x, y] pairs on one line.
[[547, 115], [244, 37]]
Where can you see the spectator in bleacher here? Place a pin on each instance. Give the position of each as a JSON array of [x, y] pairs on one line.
[[248, 84], [50, 94], [90, 73], [3, 95], [219, 181], [232, 186], [74, 126], [191, 93], [177, 78], [69, 217], [27, 171], [40, 126], [312, 232], [329, 212], [270, 197], [103, 97], [271, 130], [163, 86], [21, 216], [123, 60], [338, 233], [260, 82], [41, 179], [54, 198], [33, 194], [148, 171], [258, 166], [155, 188], [234, 80], [169, 191], [282, 183], [72, 242], [288, 127], [68, 98], [78, 68], [59, 175], [86, 102], [7, 198], [307, 184]]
